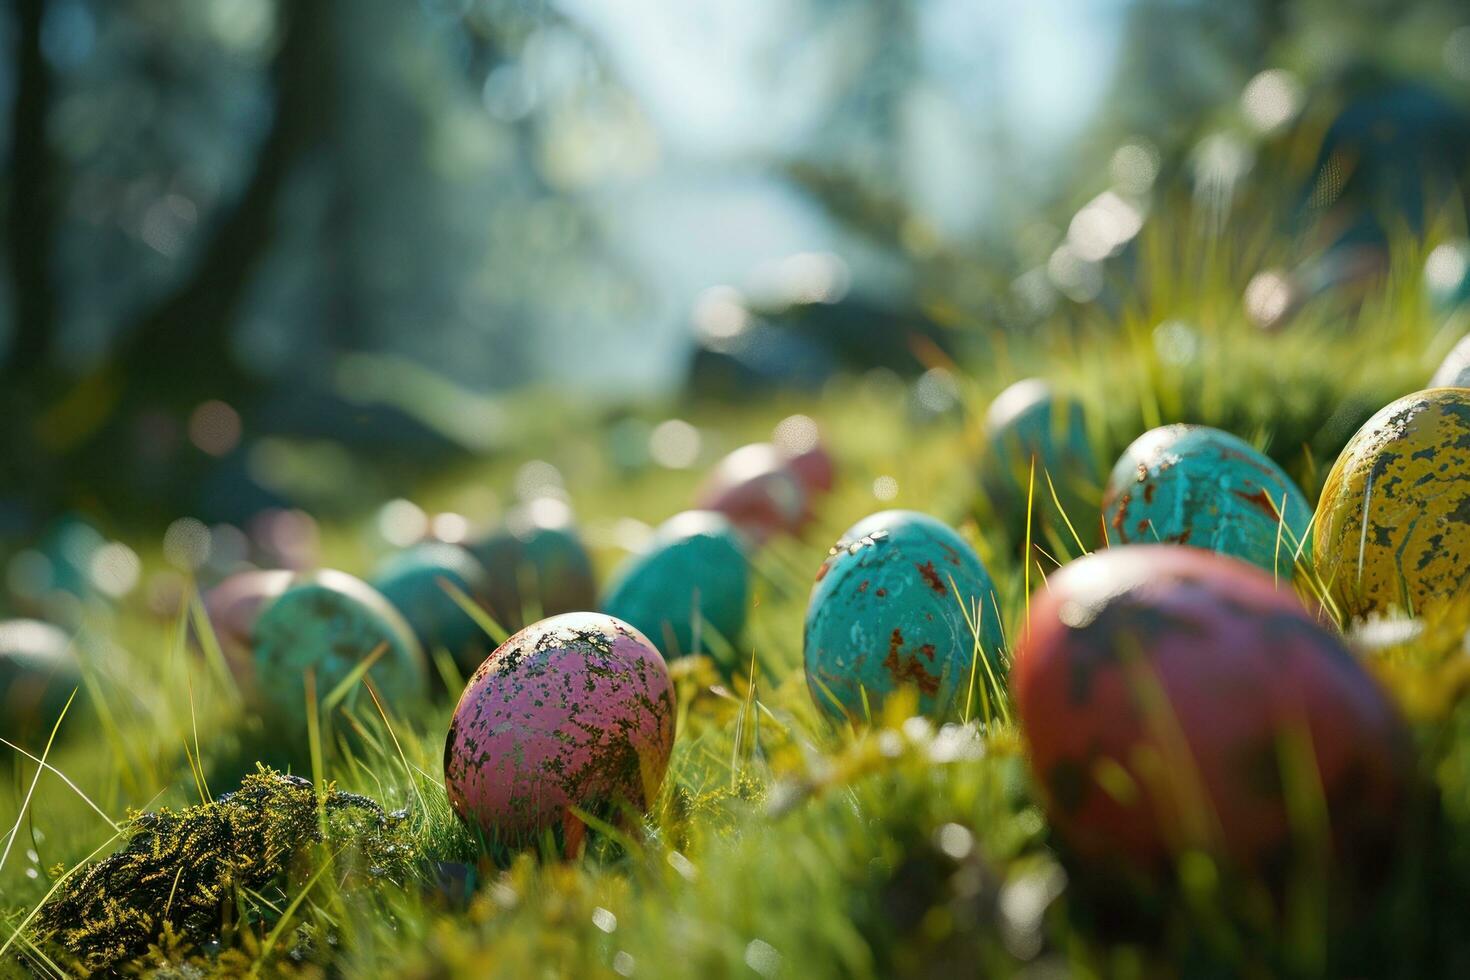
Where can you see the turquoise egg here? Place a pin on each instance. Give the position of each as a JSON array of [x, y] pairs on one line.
[[889, 610], [1194, 485], [693, 580], [38, 672], [328, 623], [537, 565], [1028, 422], [414, 581]]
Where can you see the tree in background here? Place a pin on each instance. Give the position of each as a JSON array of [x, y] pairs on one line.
[[213, 201]]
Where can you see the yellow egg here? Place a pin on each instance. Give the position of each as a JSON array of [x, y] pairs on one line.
[[1393, 525]]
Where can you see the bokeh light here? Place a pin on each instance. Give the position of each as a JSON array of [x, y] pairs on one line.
[[674, 444], [402, 523], [214, 427]]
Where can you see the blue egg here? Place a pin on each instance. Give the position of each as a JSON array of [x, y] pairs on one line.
[[414, 581], [889, 610], [1194, 485], [692, 581], [1028, 423], [537, 565], [328, 623]]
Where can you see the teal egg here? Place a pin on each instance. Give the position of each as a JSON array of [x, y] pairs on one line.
[[1028, 422], [693, 580], [328, 623], [889, 610], [537, 565], [1194, 485], [38, 672], [414, 582]]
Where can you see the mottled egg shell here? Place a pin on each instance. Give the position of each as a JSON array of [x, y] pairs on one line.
[[38, 672], [1029, 422], [575, 711], [1454, 370], [693, 577], [884, 614], [807, 456], [233, 607], [1194, 485], [414, 581], [756, 489], [536, 565], [328, 622], [1158, 687], [1393, 523]]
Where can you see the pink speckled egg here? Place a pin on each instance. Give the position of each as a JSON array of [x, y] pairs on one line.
[[574, 711], [757, 490]]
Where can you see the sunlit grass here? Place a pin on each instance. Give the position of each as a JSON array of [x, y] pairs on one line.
[[781, 843]]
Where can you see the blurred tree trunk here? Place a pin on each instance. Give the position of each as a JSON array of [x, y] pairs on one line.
[[31, 231], [179, 352], [33, 198]]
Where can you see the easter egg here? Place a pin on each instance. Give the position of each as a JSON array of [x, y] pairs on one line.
[[415, 582], [799, 440], [1162, 691], [756, 489], [1454, 370], [1393, 522], [38, 672], [536, 565], [889, 610], [692, 579], [1194, 485], [1028, 423], [233, 607], [328, 623], [574, 711]]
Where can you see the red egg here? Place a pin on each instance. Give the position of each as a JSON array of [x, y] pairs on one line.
[[799, 440], [758, 491], [1173, 697]]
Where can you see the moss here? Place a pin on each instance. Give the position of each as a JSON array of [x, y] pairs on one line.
[[177, 878]]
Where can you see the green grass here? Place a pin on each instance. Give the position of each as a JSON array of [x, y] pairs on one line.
[[781, 845]]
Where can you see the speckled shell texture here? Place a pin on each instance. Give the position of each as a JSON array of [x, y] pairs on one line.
[[1028, 421], [694, 571], [536, 565], [1393, 522], [1160, 689], [413, 581], [1194, 485], [328, 622], [757, 490], [884, 614], [577, 710], [38, 672]]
